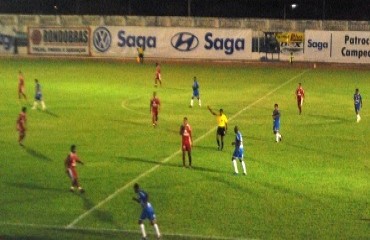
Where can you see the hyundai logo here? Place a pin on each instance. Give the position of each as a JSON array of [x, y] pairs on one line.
[[184, 41], [102, 39]]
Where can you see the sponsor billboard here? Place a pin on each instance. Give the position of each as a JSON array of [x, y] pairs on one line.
[[172, 42], [59, 41], [7, 40], [337, 46]]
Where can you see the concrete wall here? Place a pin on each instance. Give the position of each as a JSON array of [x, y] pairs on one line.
[[273, 25]]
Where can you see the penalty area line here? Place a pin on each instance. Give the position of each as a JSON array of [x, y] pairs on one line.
[[136, 179]]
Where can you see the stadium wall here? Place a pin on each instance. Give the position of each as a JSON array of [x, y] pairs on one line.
[[257, 39]]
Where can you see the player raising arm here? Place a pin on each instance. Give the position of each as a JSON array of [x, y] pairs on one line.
[[221, 127]]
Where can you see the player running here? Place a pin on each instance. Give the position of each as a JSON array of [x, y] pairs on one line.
[[185, 132], [21, 126], [21, 86], [238, 152], [70, 164], [147, 211], [221, 127], [276, 122], [155, 104], [38, 96], [158, 77], [357, 99], [195, 93], [299, 92]]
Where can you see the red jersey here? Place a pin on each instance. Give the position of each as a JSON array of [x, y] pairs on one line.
[[154, 104], [21, 81], [186, 134], [72, 159], [21, 121], [299, 92]]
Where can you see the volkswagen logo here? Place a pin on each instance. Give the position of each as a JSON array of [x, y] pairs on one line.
[[184, 41], [102, 39]]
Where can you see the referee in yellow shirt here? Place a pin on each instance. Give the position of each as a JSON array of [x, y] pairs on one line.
[[221, 127]]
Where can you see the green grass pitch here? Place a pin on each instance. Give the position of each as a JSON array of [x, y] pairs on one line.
[[312, 185]]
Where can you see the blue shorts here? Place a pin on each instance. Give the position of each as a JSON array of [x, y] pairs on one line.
[[238, 153], [357, 107], [276, 126], [147, 213], [38, 96], [196, 94]]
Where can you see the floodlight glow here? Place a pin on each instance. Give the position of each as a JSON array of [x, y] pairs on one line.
[[294, 5]]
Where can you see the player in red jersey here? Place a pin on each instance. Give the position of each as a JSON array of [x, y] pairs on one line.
[[70, 163], [21, 126], [185, 132], [21, 91], [155, 104], [158, 77], [300, 96]]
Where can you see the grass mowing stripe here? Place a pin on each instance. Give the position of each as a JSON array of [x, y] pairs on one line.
[[82, 216], [112, 230]]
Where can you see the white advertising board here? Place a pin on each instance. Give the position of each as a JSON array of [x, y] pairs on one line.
[[337, 46], [169, 42], [59, 41]]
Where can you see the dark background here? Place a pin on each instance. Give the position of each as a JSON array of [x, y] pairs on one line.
[[273, 9]]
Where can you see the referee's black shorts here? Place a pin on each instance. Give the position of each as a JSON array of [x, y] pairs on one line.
[[221, 131]]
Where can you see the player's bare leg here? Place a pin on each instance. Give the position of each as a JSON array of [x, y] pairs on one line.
[[183, 159], [189, 156], [21, 138]]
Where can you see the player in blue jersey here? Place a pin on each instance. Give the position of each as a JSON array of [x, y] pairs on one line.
[[357, 99], [276, 123], [195, 93], [238, 152], [38, 96], [147, 211]]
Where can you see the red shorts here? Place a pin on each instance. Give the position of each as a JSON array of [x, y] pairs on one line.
[[72, 173], [299, 101], [186, 146], [21, 89], [21, 129], [158, 76]]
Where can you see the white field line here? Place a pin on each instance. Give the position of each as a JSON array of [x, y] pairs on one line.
[[113, 230], [88, 212]]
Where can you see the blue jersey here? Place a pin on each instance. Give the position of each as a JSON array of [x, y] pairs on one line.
[[357, 99], [276, 121], [195, 89], [148, 210], [38, 94], [238, 152]]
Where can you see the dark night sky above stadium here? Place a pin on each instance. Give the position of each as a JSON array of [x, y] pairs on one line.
[[277, 9]]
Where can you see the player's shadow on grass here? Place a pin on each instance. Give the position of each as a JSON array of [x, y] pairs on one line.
[[47, 111], [37, 154], [329, 119], [176, 165], [103, 216], [34, 186]]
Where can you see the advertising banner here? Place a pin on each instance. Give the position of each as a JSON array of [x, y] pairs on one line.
[[7, 40], [172, 42], [59, 41], [337, 46]]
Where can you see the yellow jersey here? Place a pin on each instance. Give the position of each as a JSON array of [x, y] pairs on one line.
[[221, 120]]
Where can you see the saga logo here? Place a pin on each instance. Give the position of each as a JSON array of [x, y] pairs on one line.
[[319, 45], [184, 41], [102, 39], [228, 45], [136, 41]]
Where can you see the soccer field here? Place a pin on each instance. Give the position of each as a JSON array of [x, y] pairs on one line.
[[312, 185]]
